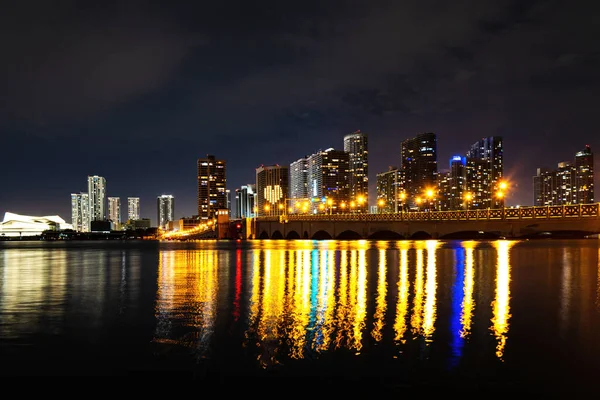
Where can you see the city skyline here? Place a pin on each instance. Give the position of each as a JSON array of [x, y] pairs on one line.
[[175, 88]]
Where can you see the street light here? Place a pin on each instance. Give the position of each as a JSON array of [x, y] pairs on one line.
[[418, 201], [267, 208], [430, 194], [330, 204], [380, 204], [402, 198], [468, 197]]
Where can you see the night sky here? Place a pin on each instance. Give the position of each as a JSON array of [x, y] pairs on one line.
[[137, 92]]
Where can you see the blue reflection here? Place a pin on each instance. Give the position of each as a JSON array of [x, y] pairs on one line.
[[458, 292], [314, 289]]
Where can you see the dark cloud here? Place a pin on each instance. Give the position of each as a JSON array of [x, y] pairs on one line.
[[267, 83]]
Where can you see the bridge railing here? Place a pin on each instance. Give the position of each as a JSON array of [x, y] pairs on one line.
[[534, 212]]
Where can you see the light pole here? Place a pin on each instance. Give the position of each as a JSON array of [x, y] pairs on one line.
[[255, 217], [267, 209], [418, 201], [430, 194], [380, 204], [330, 205], [402, 198]]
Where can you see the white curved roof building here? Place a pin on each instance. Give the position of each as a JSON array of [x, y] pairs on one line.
[[25, 225]]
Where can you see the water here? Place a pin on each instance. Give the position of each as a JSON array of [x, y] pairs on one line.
[[465, 315]]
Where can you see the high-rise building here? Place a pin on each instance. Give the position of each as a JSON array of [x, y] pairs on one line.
[[356, 144], [114, 210], [569, 183], [453, 186], [97, 198], [485, 170], [80, 212], [328, 178], [228, 201], [389, 191], [245, 200], [165, 206], [584, 166], [272, 189], [212, 180], [133, 208], [419, 167], [298, 181]]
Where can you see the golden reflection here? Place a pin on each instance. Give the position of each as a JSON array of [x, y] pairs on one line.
[[429, 314], [501, 303], [342, 309], [301, 309], [187, 288], [402, 307], [326, 304], [598, 283], [361, 300], [416, 319], [381, 304], [468, 303]]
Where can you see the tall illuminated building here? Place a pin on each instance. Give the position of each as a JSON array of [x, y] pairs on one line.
[[114, 210], [133, 208], [298, 180], [570, 183], [485, 169], [212, 180], [80, 212], [388, 191], [418, 166], [97, 197], [356, 144], [452, 188], [245, 198], [165, 205], [328, 178], [584, 181], [272, 189]]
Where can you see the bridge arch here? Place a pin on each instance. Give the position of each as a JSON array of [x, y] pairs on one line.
[[292, 235], [471, 235], [305, 236], [276, 235], [421, 235], [349, 235], [321, 235], [386, 235], [263, 235]]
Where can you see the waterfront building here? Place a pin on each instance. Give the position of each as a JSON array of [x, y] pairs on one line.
[[485, 171], [271, 189], [245, 200], [212, 180], [97, 197], [114, 211], [165, 206], [356, 144], [328, 182], [133, 208], [298, 182], [389, 191], [15, 225], [80, 212], [419, 167]]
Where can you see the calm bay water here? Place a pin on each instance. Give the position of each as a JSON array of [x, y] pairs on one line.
[[497, 315]]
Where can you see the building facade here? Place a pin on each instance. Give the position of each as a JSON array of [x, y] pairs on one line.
[[329, 182], [298, 181], [569, 183], [165, 207], [114, 211], [389, 191], [97, 197], [245, 201], [419, 167], [133, 208], [212, 181], [272, 188], [452, 188], [356, 144], [80, 212], [485, 171]]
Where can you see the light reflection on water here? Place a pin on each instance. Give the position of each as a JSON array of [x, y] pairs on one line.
[[273, 305]]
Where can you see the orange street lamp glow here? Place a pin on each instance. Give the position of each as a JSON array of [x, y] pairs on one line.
[[361, 199], [418, 200], [329, 201], [267, 207], [352, 204], [402, 196], [380, 203], [321, 206], [500, 195], [343, 205], [280, 206], [429, 193], [502, 185]]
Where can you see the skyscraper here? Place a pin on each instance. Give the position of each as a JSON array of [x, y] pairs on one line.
[[80, 212], [165, 205], [114, 210], [418, 166], [328, 178], [245, 198], [272, 189], [584, 166], [133, 208], [453, 186], [569, 183], [485, 169], [298, 180], [212, 179], [97, 197], [356, 144], [388, 191]]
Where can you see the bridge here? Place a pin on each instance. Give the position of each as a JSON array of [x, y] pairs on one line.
[[569, 221]]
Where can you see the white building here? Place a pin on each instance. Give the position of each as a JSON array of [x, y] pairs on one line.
[[166, 209], [133, 208], [97, 197], [80, 212], [114, 210], [15, 225]]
